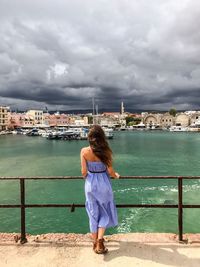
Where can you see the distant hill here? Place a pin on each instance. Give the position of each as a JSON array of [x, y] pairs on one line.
[[85, 111]]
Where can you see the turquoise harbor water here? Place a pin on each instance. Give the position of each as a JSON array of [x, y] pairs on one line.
[[135, 153]]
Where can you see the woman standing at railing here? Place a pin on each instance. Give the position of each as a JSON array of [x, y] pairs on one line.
[[96, 167]]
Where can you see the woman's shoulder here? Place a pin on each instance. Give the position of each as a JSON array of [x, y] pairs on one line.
[[85, 150]]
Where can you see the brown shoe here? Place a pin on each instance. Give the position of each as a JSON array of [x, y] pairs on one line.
[[94, 244], [100, 248]]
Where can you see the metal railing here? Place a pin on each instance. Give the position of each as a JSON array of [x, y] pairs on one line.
[[180, 206]]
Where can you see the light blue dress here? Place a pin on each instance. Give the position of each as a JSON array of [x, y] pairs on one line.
[[100, 205]]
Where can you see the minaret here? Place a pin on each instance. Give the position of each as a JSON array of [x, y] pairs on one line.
[[122, 108]]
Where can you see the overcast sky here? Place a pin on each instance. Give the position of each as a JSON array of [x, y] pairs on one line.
[[62, 53]]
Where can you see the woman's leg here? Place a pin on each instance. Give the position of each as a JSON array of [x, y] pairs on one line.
[[94, 236], [100, 248], [101, 232]]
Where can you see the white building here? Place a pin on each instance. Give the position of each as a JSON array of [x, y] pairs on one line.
[[37, 115], [81, 121]]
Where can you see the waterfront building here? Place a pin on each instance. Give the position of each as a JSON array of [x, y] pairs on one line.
[[28, 121], [37, 115], [151, 119], [57, 119], [81, 121], [194, 118], [108, 121], [167, 120], [182, 119], [113, 118], [14, 120], [17, 120], [191, 112], [46, 119], [111, 114], [3, 118]]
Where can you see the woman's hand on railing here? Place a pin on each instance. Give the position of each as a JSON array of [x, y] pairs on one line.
[[117, 176]]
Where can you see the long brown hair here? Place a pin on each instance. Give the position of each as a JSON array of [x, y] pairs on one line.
[[99, 145]]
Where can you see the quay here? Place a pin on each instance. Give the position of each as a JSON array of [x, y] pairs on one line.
[[75, 250]]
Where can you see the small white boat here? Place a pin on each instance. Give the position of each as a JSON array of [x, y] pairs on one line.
[[130, 128], [14, 132], [195, 127], [180, 128], [108, 132], [140, 126]]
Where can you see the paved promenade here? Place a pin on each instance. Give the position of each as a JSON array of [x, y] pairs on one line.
[[63, 250]]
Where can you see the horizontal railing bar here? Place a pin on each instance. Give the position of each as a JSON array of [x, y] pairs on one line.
[[80, 177], [43, 178], [82, 206], [10, 206], [191, 206], [160, 177]]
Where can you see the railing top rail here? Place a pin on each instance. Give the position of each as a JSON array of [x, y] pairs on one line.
[[81, 178]]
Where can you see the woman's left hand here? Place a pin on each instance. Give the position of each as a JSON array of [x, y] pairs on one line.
[[117, 176]]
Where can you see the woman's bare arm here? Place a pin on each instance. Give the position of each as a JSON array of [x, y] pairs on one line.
[[83, 163], [112, 172]]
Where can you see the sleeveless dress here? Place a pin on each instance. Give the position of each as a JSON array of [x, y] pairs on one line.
[[100, 205]]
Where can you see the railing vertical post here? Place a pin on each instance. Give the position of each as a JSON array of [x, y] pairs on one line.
[[180, 208], [23, 224]]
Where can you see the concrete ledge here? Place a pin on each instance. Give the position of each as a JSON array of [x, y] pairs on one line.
[[134, 249]]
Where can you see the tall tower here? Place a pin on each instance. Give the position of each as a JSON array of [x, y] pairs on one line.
[[122, 108]]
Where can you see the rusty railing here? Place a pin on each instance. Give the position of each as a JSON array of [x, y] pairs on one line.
[[180, 206]]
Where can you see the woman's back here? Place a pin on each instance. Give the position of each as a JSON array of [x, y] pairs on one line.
[[90, 160], [89, 155], [96, 166]]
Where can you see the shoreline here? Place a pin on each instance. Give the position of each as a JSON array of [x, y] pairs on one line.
[[189, 238]]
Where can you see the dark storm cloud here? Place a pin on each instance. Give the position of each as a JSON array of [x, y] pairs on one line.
[[62, 54], [190, 97]]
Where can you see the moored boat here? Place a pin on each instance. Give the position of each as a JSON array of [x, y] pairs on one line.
[[195, 127], [178, 128]]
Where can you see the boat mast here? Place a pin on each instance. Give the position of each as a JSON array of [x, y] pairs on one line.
[[97, 121], [93, 113]]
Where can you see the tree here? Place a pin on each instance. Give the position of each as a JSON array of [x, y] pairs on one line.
[[128, 120], [132, 121], [172, 112], [90, 120]]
